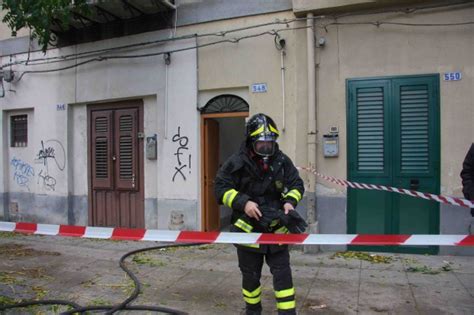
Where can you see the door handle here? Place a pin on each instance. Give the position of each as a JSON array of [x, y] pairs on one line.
[[414, 184]]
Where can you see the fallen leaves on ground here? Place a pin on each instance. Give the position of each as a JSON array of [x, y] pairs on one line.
[[373, 258]]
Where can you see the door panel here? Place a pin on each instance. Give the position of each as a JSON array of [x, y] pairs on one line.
[[371, 163], [211, 164], [416, 166], [410, 144], [117, 196]]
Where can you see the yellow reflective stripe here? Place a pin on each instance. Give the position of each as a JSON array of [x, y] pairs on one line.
[[252, 297], [252, 300], [243, 225], [285, 293], [274, 222], [229, 197], [256, 132], [273, 129], [286, 305], [294, 194], [254, 293], [296, 191], [251, 245], [282, 230]]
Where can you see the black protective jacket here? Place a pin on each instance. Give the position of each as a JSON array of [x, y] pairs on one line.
[[467, 175], [241, 179]]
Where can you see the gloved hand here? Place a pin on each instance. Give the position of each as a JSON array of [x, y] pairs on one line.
[[296, 224], [269, 214]]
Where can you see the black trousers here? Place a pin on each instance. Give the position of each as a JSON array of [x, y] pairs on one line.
[[251, 263]]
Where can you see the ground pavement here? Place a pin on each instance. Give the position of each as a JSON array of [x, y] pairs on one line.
[[206, 280]]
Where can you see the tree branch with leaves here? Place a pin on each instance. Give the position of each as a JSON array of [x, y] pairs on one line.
[[40, 16]]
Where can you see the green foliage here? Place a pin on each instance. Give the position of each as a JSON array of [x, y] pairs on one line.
[[373, 258], [40, 15], [429, 270], [5, 300]]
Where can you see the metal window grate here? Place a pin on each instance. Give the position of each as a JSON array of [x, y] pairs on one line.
[[224, 104], [19, 131]]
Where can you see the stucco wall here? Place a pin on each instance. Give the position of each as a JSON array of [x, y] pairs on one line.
[[354, 51], [357, 51], [64, 128], [256, 60]]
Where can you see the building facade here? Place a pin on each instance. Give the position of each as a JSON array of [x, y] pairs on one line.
[[130, 130]]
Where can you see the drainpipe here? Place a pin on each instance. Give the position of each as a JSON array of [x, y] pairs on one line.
[[311, 189], [283, 87]]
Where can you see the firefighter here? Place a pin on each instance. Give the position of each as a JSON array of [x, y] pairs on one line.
[[259, 182]]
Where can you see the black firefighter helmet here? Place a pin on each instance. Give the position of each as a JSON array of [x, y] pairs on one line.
[[262, 134]]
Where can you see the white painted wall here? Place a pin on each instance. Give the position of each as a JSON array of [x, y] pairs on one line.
[[21, 170], [179, 164], [105, 81]]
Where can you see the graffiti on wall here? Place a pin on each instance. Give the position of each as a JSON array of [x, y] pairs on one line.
[[181, 157], [48, 182], [22, 172], [50, 153], [53, 151]]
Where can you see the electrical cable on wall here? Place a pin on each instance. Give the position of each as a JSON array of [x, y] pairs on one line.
[[103, 58], [224, 33], [234, 40]]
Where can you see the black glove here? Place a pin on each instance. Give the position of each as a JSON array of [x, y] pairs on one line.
[[269, 214], [296, 224]]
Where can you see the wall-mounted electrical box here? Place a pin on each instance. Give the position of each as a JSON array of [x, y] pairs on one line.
[[151, 147], [331, 143]]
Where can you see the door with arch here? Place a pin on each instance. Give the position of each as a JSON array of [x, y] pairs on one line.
[[222, 131]]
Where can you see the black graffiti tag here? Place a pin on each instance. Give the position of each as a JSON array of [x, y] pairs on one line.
[[50, 153], [183, 145], [49, 182], [51, 149]]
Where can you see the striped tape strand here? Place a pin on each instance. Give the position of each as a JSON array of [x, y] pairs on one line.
[[417, 194], [231, 237]]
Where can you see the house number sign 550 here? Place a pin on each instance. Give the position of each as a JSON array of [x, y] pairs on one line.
[[452, 76]]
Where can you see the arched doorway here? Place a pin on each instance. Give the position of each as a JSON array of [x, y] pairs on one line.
[[222, 131]]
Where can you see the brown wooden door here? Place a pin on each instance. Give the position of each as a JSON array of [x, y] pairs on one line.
[[116, 177], [211, 164]]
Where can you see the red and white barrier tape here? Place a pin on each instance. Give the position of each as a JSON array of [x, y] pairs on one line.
[[230, 237], [439, 198]]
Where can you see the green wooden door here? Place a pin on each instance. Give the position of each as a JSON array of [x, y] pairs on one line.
[[393, 140]]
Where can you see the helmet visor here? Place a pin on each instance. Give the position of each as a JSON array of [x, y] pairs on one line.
[[264, 147]]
